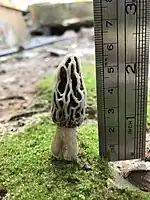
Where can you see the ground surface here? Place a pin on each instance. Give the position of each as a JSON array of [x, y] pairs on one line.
[[27, 170]]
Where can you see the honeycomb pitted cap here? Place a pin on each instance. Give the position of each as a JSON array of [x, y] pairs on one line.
[[68, 104]]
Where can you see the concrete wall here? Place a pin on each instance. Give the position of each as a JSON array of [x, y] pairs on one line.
[[12, 27], [23, 4], [9, 3], [51, 14]]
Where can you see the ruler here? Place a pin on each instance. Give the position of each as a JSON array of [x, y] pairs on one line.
[[122, 60]]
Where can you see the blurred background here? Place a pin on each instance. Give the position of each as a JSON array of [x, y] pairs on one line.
[[21, 19], [35, 35]]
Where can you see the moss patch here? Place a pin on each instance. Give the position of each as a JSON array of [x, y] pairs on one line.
[[45, 89], [28, 172]]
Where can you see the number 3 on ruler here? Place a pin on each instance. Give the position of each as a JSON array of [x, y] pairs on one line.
[[131, 8]]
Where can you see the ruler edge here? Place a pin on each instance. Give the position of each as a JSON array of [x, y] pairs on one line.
[[99, 70], [146, 72]]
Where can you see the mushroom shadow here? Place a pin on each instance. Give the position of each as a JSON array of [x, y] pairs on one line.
[[64, 171]]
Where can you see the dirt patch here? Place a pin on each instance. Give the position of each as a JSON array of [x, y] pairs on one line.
[[18, 84], [91, 113], [3, 193]]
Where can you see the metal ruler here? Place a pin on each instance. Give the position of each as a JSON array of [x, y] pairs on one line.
[[122, 57]]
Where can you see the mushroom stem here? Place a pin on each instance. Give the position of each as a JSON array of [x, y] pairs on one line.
[[64, 144]]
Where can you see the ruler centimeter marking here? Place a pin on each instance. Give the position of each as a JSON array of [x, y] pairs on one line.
[[122, 60]]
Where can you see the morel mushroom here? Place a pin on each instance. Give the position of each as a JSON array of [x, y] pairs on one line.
[[68, 108]]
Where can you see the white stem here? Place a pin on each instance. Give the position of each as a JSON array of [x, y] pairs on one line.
[[64, 144]]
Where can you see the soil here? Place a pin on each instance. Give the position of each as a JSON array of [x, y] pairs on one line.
[[3, 193], [20, 74]]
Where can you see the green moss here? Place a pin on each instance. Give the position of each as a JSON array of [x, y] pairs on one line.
[[28, 172], [45, 89], [89, 76]]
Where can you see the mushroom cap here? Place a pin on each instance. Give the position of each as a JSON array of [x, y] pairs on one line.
[[68, 103]]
